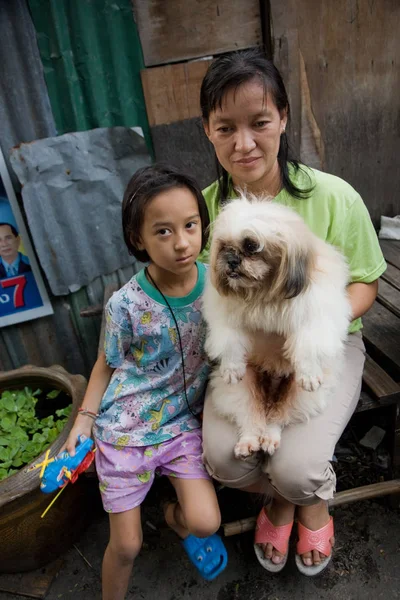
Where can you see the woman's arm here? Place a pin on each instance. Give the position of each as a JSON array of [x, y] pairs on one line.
[[98, 382], [362, 297]]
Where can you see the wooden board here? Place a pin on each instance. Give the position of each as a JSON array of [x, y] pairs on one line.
[[172, 92], [366, 402], [391, 252], [34, 584], [382, 332], [382, 386], [389, 296], [392, 276], [175, 30], [340, 62]]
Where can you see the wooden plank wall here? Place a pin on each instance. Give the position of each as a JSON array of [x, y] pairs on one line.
[[172, 102], [172, 92], [185, 145], [176, 30], [340, 61], [185, 30]]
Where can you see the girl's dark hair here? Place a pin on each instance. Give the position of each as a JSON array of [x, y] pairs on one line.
[[232, 70], [146, 183]]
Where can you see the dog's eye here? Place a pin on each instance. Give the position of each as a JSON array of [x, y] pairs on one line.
[[249, 246]]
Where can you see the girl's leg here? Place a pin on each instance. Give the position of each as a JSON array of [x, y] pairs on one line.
[[197, 511], [123, 547]]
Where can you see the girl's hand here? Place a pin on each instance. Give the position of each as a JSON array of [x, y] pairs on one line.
[[83, 426]]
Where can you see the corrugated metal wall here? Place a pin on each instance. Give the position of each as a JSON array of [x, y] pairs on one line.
[[25, 112], [92, 58]]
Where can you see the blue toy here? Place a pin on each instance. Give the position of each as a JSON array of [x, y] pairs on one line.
[[64, 468], [208, 555]]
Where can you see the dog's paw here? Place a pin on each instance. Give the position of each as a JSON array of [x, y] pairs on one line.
[[310, 383], [270, 442], [232, 373], [246, 447]]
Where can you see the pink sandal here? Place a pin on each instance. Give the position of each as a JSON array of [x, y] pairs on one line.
[[314, 540], [267, 533]]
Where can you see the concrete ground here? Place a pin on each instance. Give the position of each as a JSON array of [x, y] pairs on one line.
[[366, 562]]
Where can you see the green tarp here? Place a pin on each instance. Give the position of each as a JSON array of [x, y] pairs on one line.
[[92, 58]]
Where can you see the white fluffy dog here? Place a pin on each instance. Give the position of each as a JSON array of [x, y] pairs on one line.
[[278, 314]]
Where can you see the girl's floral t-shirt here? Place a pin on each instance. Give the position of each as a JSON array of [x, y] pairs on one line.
[[145, 402]]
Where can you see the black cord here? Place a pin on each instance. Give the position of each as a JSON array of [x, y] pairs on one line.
[[179, 336]]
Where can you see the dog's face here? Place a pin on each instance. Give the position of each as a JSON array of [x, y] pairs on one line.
[[259, 246], [242, 262]]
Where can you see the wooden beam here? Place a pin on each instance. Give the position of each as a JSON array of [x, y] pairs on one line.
[[365, 492], [380, 383]]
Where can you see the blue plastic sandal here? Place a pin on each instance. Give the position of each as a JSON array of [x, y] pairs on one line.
[[208, 555]]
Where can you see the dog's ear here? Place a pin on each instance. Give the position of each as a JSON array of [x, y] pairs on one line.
[[218, 278], [297, 267]]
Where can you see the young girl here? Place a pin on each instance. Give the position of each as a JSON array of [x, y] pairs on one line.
[[147, 390]]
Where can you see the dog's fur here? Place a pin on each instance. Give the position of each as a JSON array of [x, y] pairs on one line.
[[278, 315]]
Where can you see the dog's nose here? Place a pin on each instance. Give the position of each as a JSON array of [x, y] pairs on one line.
[[233, 261]]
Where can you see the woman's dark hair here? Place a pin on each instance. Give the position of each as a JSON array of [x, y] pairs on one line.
[[230, 71], [145, 184]]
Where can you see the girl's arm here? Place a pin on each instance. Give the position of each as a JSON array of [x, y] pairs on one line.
[[98, 382], [362, 297]]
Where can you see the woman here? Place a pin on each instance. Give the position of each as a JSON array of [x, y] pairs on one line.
[[245, 113]]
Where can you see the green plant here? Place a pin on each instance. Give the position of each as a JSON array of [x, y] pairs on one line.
[[23, 436]]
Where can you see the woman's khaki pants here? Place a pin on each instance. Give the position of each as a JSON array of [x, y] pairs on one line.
[[300, 470]]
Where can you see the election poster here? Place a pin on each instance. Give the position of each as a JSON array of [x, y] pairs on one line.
[[22, 293]]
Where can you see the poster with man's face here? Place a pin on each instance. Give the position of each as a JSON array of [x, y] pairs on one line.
[[22, 292]]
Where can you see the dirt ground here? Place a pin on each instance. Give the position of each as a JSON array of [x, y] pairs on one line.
[[366, 561]]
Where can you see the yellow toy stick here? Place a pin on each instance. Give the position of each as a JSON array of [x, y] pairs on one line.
[[42, 465], [52, 502]]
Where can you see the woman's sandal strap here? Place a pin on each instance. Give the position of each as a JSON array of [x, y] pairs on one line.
[[315, 540], [267, 533]]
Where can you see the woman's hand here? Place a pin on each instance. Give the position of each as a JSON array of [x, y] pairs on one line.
[[83, 426]]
